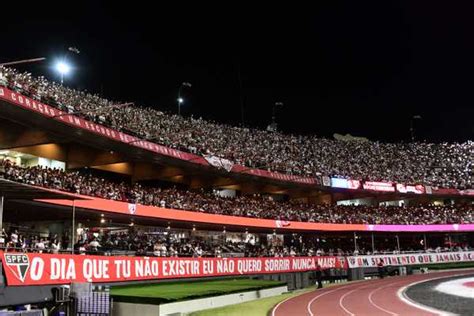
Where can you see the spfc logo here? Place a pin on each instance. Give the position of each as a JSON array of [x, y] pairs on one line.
[[18, 264], [132, 208], [342, 262], [281, 224]]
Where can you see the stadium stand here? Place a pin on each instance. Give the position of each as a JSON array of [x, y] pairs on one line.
[[446, 165], [259, 206]]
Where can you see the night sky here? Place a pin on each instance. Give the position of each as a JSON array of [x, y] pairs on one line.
[[345, 67]]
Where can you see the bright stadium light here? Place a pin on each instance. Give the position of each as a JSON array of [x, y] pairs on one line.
[[63, 69], [180, 99]]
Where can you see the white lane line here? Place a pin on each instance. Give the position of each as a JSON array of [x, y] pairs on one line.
[[278, 305], [341, 300], [377, 306], [308, 307]]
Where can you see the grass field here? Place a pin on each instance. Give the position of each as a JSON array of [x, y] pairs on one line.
[[178, 291]]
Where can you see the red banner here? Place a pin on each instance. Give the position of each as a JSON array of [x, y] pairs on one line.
[[54, 113], [275, 175], [23, 269], [417, 189], [379, 186]]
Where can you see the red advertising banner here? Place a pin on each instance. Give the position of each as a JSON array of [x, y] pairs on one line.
[[24, 269], [379, 186], [345, 183], [274, 175], [417, 189]]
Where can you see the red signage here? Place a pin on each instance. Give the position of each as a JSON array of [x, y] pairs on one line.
[[281, 223], [345, 183], [379, 186], [417, 189], [23, 269]]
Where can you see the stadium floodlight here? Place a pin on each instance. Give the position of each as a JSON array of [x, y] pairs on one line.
[[180, 99], [63, 68], [412, 126], [74, 50]]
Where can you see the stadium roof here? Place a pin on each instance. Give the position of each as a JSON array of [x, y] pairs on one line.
[[15, 190]]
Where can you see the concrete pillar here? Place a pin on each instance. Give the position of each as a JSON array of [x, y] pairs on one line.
[[2, 203]]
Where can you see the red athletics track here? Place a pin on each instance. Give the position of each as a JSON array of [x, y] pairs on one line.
[[374, 297]]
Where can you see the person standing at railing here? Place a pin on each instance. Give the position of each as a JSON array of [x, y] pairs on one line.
[[319, 276], [40, 245], [55, 246], [381, 268]]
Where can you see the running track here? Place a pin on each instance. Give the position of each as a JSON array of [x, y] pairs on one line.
[[375, 297]]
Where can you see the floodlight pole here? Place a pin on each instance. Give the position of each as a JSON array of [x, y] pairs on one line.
[[180, 100], [2, 202], [73, 225], [274, 109], [373, 243], [70, 49], [412, 126], [355, 241]]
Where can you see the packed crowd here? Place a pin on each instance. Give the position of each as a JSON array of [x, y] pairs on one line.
[[259, 206], [145, 242], [448, 165]]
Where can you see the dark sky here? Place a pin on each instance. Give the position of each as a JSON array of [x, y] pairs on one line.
[[346, 67]]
